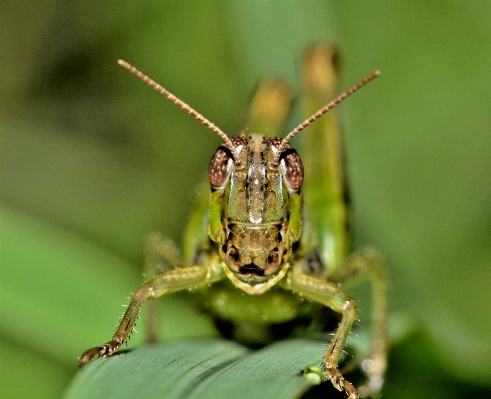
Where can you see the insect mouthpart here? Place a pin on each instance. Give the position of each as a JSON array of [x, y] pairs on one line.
[[254, 252], [251, 268]]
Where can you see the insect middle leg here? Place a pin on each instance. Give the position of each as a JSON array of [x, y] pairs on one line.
[[369, 264]]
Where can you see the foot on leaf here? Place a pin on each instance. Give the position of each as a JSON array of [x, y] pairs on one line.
[[103, 351], [341, 383]]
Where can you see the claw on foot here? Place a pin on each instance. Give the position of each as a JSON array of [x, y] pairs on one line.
[[87, 356], [103, 351], [341, 383]]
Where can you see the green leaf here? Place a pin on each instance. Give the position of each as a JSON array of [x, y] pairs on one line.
[[210, 368]]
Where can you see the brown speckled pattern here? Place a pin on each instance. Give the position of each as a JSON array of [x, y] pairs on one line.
[[219, 167], [293, 166], [221, 162], [293, 169]]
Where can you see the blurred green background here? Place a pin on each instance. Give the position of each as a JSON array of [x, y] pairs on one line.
[[92, 160]]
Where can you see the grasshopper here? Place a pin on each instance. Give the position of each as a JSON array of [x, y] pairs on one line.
[[254, 233]]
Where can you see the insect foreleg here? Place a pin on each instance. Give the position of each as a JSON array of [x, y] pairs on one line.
[[339, 301], [163, 284], [369, 264]]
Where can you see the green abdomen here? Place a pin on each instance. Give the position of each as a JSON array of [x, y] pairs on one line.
[[254, 319]]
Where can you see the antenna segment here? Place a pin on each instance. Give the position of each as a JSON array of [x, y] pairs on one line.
[[319, 113], [185, 107]]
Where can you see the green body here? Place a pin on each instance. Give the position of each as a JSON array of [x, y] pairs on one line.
[[279, 211], [318, 226], [267, 243]]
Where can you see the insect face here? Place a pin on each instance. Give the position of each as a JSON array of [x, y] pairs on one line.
[[257, 199]]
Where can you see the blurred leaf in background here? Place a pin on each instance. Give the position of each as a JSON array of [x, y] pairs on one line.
[[91, 160]]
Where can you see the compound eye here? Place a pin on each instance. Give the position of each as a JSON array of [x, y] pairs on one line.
[[220, 165], [292, 168]]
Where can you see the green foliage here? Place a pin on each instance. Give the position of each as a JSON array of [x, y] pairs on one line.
[[91, 160], [200, 369]]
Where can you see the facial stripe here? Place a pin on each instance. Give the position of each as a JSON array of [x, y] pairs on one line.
[[257, 178]]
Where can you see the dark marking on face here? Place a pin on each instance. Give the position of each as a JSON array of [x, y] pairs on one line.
[[233, 254], [279, 238], [273, 257]]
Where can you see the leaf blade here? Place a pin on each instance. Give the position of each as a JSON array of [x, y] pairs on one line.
[[201, 368]]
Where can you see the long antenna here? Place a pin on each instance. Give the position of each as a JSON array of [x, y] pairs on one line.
[[319, 113], [185, 107]]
